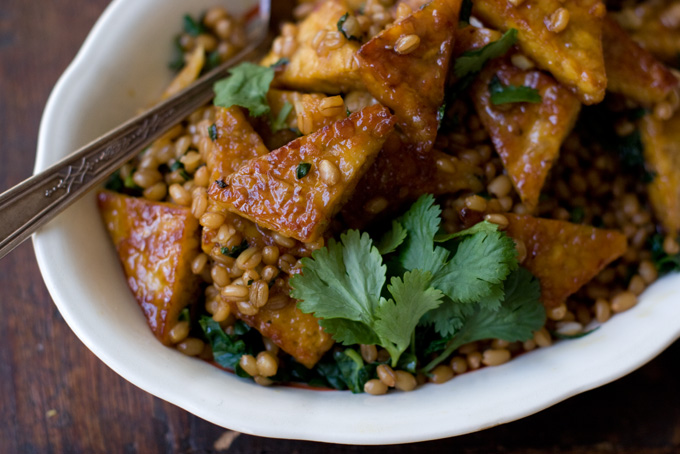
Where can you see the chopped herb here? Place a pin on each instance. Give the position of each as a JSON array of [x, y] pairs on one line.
[[465, 13], [597, 124], [638, 113], [240, 328], [303, 169], [279, 122], [212, 61], [234, 251], [441, 113], [192, 26], [129, 182], [577, 215], [177, 165], [348, 112], [246, 86], [506, 94], [221, 183], [485, 195], [185, 315], [212, 132], [663, 262], [630, 149], [250, 281], [115, 182], [631, 152], [283, 61], [341, 29], [177, 61]]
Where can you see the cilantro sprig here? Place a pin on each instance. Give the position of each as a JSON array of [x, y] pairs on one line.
[[343, 284], [466, 285], [664, 263]]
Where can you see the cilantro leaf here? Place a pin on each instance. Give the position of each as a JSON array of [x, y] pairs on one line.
[[474, 60], [519, 315], [484, 226], [279, 123], [447, 319], [421, 222], [506, 94], [397, 318], [349, 332], [482, 256], [391, 239], [481, 261], [247, 86], [343, 280]]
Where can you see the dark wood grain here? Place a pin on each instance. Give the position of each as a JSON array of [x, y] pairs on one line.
[[56, 396]]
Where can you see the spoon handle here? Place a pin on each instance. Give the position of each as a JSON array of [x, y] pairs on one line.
[[35, 201]]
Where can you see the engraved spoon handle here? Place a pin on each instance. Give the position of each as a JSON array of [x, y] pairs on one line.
[[30, 204]]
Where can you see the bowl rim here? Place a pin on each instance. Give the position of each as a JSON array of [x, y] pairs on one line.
[[540, 394]]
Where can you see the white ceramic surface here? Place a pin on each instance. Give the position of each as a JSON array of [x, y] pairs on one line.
[[122, 66]]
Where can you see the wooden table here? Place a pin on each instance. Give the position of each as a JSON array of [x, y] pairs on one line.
[[56, 396]]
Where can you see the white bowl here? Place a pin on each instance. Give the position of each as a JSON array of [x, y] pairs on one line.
[[122, 66]]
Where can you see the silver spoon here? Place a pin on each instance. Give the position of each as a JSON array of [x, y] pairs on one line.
[[35, 201]]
